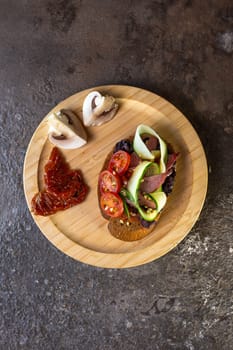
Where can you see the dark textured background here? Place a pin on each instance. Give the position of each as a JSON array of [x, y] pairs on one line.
[[181, 50]]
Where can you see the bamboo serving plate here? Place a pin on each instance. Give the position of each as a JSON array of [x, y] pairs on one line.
[[80, 231]]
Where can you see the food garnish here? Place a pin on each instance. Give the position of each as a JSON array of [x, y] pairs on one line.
[[63, 187], [144, 151], [119, 162], [98, 109], [111, 203], [141, 173], [109, 182], [66, 130]]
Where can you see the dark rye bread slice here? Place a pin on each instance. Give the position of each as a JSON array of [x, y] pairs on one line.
[[124, 228]]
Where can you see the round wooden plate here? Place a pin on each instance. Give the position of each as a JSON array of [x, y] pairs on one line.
[[81, 232]]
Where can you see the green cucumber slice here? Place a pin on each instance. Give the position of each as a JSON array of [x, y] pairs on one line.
[[133, 187], [135, 180], [142, 150], [148, 215], [160, 199], [153, 169]]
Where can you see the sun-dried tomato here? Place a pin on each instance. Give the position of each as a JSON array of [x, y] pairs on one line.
[[45, 203], [64, 187], [55, 167]]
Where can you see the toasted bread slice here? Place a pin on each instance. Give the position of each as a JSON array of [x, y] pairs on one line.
[[124, 228], [129, 230]]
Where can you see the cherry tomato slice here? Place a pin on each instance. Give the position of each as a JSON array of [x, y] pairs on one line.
[[109, 182], [111, 204], [119, 162]]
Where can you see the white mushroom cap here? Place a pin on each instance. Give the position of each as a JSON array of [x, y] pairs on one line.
[[66, 130], [98, 109]]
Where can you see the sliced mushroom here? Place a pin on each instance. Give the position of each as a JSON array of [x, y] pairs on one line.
[[66, 130], [98, 109]]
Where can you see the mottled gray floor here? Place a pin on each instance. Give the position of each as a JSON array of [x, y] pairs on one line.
[[181, 50]]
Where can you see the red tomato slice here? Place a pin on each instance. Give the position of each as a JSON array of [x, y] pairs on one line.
[[119, 162], [111, 204], [109, 182]]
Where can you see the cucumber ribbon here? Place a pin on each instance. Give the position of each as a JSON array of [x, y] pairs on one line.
[[142, 150], [159, 197], [145, 167]]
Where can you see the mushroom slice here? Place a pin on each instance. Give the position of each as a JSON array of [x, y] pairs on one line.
[[66, 130], [98, 109]]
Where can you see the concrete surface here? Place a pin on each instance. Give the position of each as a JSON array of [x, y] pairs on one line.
[[181, 50]]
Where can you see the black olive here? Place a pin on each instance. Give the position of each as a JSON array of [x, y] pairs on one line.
[[169, 182], [124, 145]]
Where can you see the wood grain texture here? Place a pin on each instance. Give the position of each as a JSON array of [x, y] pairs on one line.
[[81, 232]]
